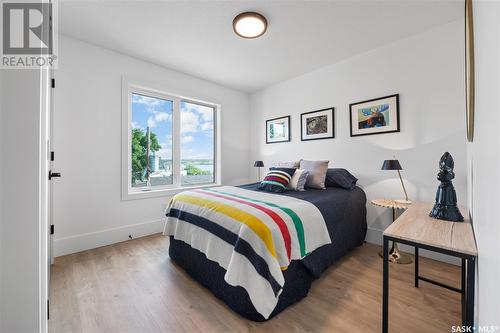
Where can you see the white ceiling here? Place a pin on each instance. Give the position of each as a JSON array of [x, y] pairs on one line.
[[197, 37]]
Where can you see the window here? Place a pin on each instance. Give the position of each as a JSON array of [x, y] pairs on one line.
[[197, 143], [151, 141], [169, 142]]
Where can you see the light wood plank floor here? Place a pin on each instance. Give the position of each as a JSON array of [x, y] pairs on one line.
[[134, 287]]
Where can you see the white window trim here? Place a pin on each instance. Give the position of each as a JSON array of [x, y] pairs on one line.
[[129, 193]]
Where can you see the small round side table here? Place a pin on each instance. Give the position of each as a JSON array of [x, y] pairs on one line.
[[395, 255]]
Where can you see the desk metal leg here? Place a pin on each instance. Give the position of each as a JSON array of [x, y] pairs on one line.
[[464, 290], [385, 288], [469, 289], [416, 267]]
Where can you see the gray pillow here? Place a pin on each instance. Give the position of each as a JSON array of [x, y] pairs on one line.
[[293, 164], [317, 173]]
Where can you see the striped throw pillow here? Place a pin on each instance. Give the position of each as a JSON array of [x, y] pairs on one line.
[[277, 180]]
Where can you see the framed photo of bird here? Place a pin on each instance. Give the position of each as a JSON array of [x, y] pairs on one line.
[[375, 116]]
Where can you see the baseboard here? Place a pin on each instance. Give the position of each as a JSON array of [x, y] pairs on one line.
[[91, 240], [374, 236]]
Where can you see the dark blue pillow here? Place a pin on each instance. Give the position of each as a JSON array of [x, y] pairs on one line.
[[338, 177], [277, 180]]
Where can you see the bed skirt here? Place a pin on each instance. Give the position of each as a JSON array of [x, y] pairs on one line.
[[297, 281]]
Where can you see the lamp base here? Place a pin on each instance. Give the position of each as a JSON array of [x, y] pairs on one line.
[[403, 201], [397, 257]]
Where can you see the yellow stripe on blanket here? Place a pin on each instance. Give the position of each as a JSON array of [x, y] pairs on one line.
[[241, 216]]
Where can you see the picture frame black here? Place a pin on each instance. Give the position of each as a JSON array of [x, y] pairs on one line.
[[288, 133], [330, 122], [397, 128]]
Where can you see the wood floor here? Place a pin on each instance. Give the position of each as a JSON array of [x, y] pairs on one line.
[[134, 287]]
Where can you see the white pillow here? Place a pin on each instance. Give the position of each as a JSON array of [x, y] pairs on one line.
[[298, 181], [293, 164]]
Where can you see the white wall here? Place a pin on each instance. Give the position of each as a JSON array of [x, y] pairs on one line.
[[20, 289], [427, 71], [485, 160], [88, 210]]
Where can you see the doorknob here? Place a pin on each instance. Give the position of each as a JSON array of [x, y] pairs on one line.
[[54, 174]]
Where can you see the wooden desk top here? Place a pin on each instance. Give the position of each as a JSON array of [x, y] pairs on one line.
[[415, 225]]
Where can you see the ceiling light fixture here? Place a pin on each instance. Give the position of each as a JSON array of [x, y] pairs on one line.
[[249, 25]]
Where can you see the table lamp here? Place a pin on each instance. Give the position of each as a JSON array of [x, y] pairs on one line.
[[259, 164], [394, 165]]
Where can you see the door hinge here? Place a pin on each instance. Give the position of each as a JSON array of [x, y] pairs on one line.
[[51, 229], [52, 155], [53, 83]]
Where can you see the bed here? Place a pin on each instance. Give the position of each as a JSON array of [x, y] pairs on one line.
[[344, 214]]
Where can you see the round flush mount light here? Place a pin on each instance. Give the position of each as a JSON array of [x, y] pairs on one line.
[[249, 25]]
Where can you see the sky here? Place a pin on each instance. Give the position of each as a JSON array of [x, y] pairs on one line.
[[197, 134]]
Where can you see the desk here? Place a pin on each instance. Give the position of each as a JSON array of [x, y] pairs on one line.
[[415, 228]]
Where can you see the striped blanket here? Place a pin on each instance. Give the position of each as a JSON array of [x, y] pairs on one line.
[[252, 235]]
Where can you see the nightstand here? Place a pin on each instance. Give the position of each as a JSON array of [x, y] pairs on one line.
[[395, 255]]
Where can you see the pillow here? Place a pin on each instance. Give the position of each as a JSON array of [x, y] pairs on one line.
[[294, 164], [276, 180], [340, 178], [317, 173], [298, 180]]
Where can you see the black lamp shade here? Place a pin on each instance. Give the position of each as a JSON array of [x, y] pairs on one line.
[[391, 165], [258, 164]]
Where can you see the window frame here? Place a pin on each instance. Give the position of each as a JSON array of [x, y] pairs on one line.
[[130, 87], [215, 150]]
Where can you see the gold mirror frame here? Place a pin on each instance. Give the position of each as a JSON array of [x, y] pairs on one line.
[[469, 70]]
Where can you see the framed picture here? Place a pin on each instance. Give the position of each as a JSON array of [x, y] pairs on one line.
[[278, 130], [469, 70], [375, 116], [317, 125]]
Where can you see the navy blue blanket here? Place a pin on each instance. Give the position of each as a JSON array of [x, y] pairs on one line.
[[344, 212]]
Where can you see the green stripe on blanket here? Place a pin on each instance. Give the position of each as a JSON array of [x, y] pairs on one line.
[[295, 218]]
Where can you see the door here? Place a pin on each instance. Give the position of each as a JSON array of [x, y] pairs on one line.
[[52, 173], [48, 180], [44, 231], [47, 169]]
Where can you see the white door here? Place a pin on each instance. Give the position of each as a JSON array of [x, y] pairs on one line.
[[48, 177], [53, 174], [47, 181], [45, 197]]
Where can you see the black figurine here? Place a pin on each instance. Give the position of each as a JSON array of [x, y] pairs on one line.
[[446, 197]]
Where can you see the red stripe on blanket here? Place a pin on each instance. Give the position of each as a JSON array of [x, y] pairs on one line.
[[275, 217]]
